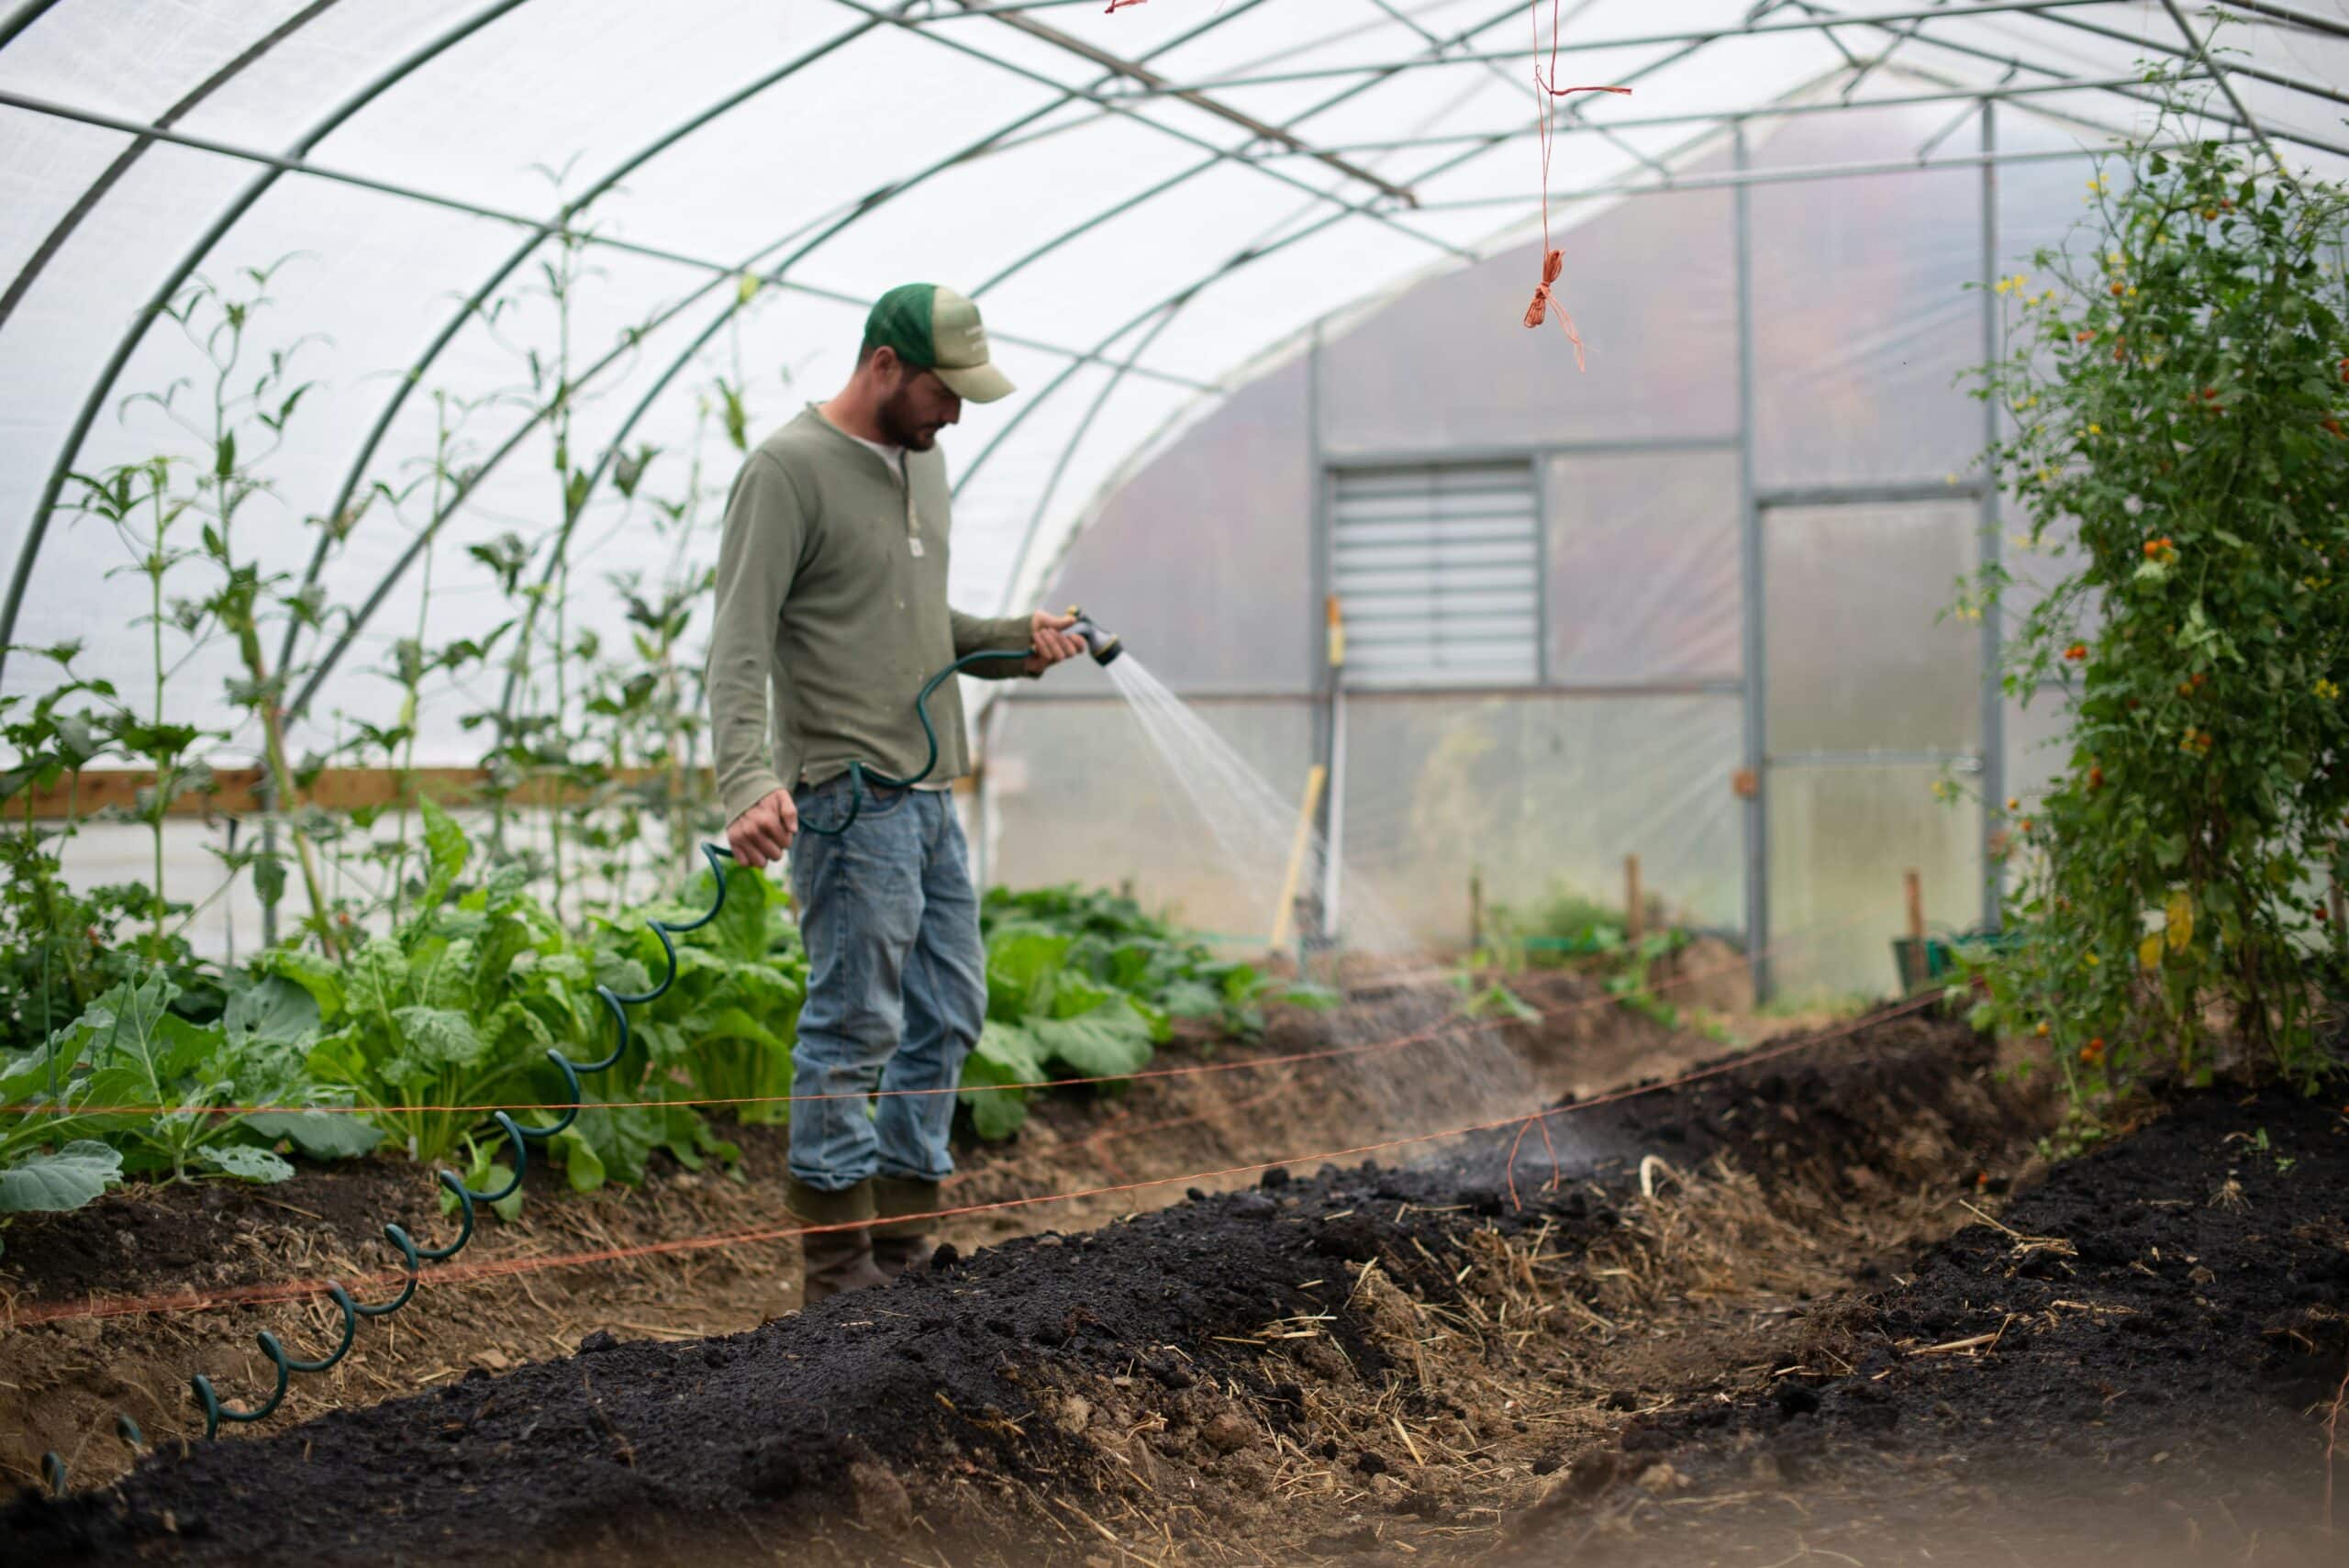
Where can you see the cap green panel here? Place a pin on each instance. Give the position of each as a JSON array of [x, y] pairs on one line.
[[935, 329], [900, 319]]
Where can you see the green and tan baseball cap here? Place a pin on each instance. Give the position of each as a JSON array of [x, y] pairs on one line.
[[937, 329]]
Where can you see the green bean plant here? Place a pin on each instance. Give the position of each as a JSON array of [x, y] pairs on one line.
[[426, 488], [535, 741], [238, 412], [137, 500], [643, 710], [505, 755]]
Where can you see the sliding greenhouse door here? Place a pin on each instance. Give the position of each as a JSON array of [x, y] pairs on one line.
[[1872, 696]]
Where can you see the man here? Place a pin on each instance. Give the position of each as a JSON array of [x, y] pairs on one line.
[[832, 590]]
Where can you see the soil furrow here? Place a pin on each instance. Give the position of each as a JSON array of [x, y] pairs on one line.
[[2132, 1363]]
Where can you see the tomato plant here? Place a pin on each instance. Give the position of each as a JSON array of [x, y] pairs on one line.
[[2174, 400]]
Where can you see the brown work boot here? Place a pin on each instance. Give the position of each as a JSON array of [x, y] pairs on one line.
[[835, 1260], [903, 1245]]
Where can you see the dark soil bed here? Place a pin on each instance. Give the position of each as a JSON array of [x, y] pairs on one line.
[[143, 1253], [2134, 1362], [954, 1404]]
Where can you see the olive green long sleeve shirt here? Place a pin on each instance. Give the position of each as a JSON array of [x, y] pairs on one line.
[[831, 613]]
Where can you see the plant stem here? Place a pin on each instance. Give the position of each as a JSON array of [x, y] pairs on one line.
[[572, 506], [47, 890], [164, 777], [248, 629]]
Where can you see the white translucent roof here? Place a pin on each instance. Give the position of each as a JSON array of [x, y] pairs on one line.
[[1147, 201]]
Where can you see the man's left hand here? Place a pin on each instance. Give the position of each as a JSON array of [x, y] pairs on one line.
[[1050, 640]]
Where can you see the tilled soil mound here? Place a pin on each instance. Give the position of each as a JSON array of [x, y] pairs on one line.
[[108, 1308], [1086, 1367], [2141, 1361]]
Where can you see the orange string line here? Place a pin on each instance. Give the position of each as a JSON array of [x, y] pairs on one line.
[[456, 1273], [1552, 261]]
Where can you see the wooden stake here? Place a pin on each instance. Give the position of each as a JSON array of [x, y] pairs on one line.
[[1284, 913], [1912, 887], [1635, 914], [1476, 910]]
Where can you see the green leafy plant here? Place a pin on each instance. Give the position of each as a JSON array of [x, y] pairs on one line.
[[1119, 945], [53, 941], [61, 947], [460, 1004], [1083, 983], [1051, 1004], [457, 1007], [1491, 1000], [1568, 930], [724, 1029], [46, 1164], [1629, 984], [2178, 398], [129, 1048]]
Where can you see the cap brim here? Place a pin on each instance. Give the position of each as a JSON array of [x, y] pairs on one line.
[[976, 384]]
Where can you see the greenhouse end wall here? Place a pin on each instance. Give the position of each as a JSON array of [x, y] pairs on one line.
[[1629, 735]]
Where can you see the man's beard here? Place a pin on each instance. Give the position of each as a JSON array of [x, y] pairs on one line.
[[899, 426]]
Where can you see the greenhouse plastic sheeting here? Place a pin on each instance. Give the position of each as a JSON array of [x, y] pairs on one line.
[[1530, 793], [1860, 338], [1137, 248], [1863, 652], [1644, 579], [1660, 353], [1840, 840], [1224, 515], [1076, 793]]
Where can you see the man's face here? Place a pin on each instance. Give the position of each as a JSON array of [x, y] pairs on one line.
[[917, 409]]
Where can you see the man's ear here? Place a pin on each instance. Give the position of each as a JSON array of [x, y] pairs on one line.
[[886, 363]]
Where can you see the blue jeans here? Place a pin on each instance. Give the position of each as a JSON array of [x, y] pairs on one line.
[[896, 984]]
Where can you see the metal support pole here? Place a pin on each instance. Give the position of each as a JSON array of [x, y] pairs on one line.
[[1994, 701], [1755, 660], [1318, 566], [1312, 917], [1334, 813]]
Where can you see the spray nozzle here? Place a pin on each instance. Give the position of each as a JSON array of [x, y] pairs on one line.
[[1104, 646]]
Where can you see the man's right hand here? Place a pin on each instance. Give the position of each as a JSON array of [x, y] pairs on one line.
[[763, 833]]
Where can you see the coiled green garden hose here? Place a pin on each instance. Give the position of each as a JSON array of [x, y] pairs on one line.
[[518, 1139]]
